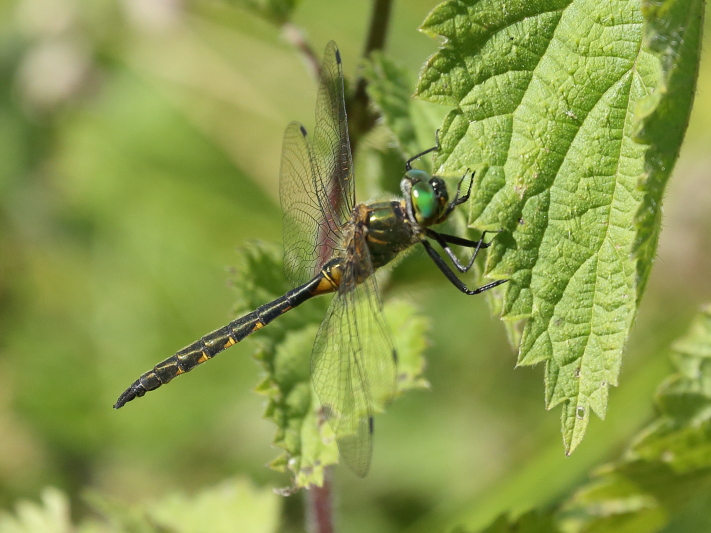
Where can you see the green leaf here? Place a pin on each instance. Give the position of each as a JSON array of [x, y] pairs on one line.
[[412, 122], [233, 505], [409, 329], [121, 516], [673, 34], [51, 516], [681, 437], [284, 351], [668, 465], [551, 95]]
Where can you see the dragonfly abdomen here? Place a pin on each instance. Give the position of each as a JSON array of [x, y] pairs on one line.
[[216, 341]]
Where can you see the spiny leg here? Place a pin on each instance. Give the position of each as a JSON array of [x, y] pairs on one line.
[[408, 164], [442, 239], [452, 277]]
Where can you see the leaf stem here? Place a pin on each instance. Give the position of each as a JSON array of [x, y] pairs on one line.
[[320, 508]]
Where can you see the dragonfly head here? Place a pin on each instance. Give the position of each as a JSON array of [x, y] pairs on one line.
[[426, 197]]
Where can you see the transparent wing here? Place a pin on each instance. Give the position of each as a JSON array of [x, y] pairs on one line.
[[316, 179], [331, 136], [353, 365]]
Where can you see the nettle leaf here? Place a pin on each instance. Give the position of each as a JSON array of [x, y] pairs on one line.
[[668, 466], [284, 351], [681, 437], [232, 505], [673, 34], [51, 516], [568, 103]]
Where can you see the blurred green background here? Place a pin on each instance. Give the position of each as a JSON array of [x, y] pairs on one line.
[[139, 146]]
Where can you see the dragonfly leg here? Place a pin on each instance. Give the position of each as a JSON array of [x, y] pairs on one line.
[[443, 239], [408, 165], [452, 277], [458, 200]]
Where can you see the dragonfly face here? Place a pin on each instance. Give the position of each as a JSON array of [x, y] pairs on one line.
[[426, 196], [333, 245]]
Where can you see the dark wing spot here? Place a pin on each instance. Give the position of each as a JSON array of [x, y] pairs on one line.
[[302, 129], [327, 411], [395, 356], [371, 424], [338, 56]]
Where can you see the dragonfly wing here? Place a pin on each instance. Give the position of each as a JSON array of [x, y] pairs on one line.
[[331, 142], [353, 365], [316, 178], [303, 218]]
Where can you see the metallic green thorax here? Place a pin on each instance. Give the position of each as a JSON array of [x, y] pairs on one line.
[[389, 231]]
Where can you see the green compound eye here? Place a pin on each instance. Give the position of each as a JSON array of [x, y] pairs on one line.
[[424, 201], [415, 175]]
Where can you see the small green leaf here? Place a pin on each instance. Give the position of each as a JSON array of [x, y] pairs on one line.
[[409, 329], [681, 437], [233, 505], [412, 122], [668, 465], [122, 516], [51, 516], [284, 351], [567, 103]]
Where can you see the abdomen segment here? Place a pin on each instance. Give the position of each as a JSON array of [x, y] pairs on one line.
[[213, 343]]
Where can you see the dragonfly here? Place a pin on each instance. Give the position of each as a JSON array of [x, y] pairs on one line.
[[333, 245]]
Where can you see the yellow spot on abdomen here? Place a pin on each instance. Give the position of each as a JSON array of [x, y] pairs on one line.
[[230, 342], [329, 282], [203, 358], [257, 325]]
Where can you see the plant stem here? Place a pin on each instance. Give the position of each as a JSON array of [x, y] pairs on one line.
[[320, 506], [360, 118], [379, 20], [295, 36]]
